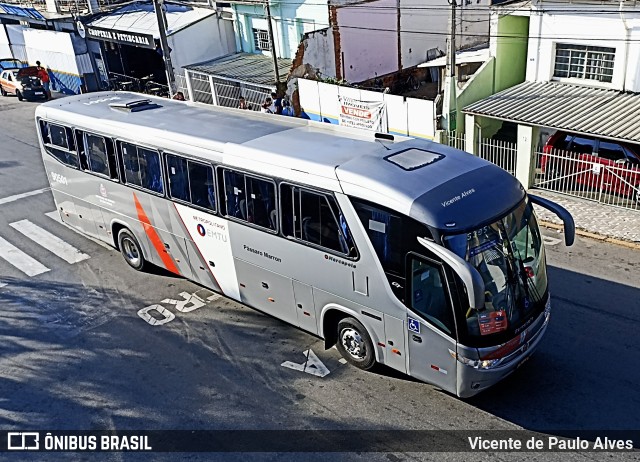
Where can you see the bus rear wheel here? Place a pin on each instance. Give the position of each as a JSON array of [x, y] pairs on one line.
[[130, 249], [355, 345]]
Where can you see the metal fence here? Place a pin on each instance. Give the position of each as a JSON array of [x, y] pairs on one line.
[[181, 84], [455, 140], [200, 87], [225, 92], [501, 153], [588, 177]]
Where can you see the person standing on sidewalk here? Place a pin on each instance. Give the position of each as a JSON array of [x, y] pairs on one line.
[[43, 75]]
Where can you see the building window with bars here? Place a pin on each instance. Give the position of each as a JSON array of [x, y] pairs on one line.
[[584, 62], [261, 40]]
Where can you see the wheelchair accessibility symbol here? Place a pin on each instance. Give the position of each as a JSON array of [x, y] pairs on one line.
[[413, 325]]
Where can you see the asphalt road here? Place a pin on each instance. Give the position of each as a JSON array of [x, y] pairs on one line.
[[75, 354]]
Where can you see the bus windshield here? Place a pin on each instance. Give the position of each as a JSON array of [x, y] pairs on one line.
[[509, 256]]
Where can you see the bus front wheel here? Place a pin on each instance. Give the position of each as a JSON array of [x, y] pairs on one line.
[[130, 249], [354, 344]]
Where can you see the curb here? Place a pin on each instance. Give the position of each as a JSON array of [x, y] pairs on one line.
[[598, 237]]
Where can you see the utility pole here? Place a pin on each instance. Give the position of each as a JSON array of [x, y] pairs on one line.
[[158, 6], [276, 72], [451, 88]]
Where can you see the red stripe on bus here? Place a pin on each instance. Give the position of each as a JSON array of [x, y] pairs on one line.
[[206, 264], [154, 238]]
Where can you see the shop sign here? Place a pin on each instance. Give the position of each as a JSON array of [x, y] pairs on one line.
[[121, 37]]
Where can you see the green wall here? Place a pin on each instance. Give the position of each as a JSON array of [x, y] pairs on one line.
[[507, 69], [511, 52], [478, 87]]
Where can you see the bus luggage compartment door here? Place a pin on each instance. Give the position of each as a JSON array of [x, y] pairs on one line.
[[267, 291], [305, 307]]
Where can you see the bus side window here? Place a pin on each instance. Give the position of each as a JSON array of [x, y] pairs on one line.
[[150, 170], [141, 167], [58, 141], [201, 185], [287, 211], [261, 203], [96, 148], [82, 151], [427, 294], [235, 196], [178, 178], [44, 132]]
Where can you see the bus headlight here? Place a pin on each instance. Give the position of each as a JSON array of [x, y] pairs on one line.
[[483, 364]]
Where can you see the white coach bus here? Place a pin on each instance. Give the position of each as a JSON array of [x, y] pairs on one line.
[[399, 251]]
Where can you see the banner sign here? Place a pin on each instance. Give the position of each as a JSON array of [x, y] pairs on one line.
[[368, 115], [121, 37]]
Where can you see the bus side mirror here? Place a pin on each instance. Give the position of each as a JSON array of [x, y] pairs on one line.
[[562, 213], [469, 275]]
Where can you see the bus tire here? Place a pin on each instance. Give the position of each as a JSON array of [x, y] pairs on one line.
[[130, 249], [355, 345]]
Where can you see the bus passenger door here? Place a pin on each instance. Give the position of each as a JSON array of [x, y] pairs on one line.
[[430, 327], [305, 307]]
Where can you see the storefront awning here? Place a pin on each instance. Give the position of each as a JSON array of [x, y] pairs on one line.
[[137, 24], [573, 108], [244, 67]]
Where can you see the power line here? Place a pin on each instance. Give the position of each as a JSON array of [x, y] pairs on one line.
[[463, 7], [460, 34]]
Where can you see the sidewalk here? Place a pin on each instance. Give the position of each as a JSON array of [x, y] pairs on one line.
[[594, 220]]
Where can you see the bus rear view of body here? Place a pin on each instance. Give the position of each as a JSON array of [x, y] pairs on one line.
[[403, 252]]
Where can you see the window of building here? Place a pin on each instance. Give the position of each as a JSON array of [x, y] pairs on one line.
[[584, 62], [191, 181], [58, 142], [315, 218], [141, 167], [261, 40], [250, 199]]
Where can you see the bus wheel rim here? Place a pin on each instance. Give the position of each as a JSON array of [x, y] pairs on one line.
[[353, 343], [131, 251]]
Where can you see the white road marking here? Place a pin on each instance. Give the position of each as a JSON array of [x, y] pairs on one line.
[[342, 361], [16, 197], [213, 297], [551, 241], [20, 260], [311, 366], [50, 242], [55, 215], [192, 300]]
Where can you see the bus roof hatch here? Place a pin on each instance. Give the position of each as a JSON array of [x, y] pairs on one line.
[[135, 105]]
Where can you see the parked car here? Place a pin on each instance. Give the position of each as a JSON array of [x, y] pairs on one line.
[[614, 166], [23, 82], [10, 63]]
